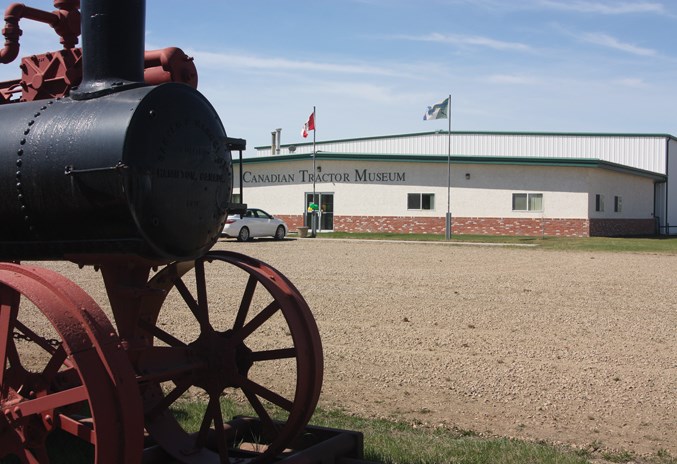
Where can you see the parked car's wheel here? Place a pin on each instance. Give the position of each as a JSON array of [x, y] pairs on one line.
[[279, 233], [243, 236]]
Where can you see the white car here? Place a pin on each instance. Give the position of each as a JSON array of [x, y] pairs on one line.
[[254, 223]]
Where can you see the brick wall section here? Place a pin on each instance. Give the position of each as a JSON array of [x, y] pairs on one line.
[[390, 224], [535, 227], [529, 227], [293, 222], [474, 226], [621, 227]]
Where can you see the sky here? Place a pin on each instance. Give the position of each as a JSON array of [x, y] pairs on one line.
[[371, 67]]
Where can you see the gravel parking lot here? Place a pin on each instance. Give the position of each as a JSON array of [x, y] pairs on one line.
[[577, 348]]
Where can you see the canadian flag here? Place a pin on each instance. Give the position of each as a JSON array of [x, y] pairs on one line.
[[309, 125]]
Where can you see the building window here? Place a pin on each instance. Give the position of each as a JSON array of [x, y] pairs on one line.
[[527, 202], [618, 204], [235, 198], [420, 201], [599, 203]]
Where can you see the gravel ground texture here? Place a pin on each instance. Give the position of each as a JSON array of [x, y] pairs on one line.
[[575, 348]]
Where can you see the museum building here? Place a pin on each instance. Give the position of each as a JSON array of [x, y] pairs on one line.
[[493, 183]]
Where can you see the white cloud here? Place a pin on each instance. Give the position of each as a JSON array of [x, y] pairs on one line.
[[634, 82], [609, 8], [253, 62], [468, 40], [511, 79], [606, 40], [358, 91]]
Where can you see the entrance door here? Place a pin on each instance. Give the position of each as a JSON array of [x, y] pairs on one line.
[[325, 201]]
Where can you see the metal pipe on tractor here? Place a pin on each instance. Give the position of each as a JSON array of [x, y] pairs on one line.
[[110, 158]]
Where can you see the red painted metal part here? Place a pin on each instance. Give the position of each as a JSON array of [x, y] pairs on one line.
[[50, 75], [65, 21], [54, 74], [169, 65], [80, 382], [8, 89], [224, 358]]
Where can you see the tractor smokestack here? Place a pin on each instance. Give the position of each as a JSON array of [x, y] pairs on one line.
[[112, 45]]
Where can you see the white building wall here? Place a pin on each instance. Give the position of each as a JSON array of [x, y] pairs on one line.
[[635, 192], [276, 200], [488, 192], [568, 192]]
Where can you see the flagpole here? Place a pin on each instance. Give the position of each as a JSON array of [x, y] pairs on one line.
[[313, 217], [448, 219]]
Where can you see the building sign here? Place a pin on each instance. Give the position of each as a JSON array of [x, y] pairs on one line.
[[306, 176]]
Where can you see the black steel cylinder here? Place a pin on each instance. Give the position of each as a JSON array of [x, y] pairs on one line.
[[144, 171]]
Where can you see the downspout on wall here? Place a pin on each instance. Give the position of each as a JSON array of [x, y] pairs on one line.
[[667, 184]]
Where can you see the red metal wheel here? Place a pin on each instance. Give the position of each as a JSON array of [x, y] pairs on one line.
[[62, 369], [253, 338]]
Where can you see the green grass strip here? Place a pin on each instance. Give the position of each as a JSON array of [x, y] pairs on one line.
[[611, 244], [391, 442]]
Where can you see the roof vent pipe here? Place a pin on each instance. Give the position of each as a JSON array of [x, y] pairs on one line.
[[278, 140], [112, 46]]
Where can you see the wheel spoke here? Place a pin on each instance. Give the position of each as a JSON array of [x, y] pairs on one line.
[[53, 401], [198, 311], [220, 431], [35, 338], [160, 334], [38, 456], [18, 372], [204, 426], [164, 404], [77, 429], [258, 389], [266, 420], [58, 359], [245, 303], [22, 455], [257, 321], [271, 355], [13, 358], [201, 286]]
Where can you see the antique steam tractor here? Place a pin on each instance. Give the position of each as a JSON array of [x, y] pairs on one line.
[[111, 159]]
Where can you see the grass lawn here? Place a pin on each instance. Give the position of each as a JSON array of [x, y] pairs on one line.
[[614, 244]]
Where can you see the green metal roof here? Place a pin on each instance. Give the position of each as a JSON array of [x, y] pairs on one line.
[[462, 159], [547, 134]]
